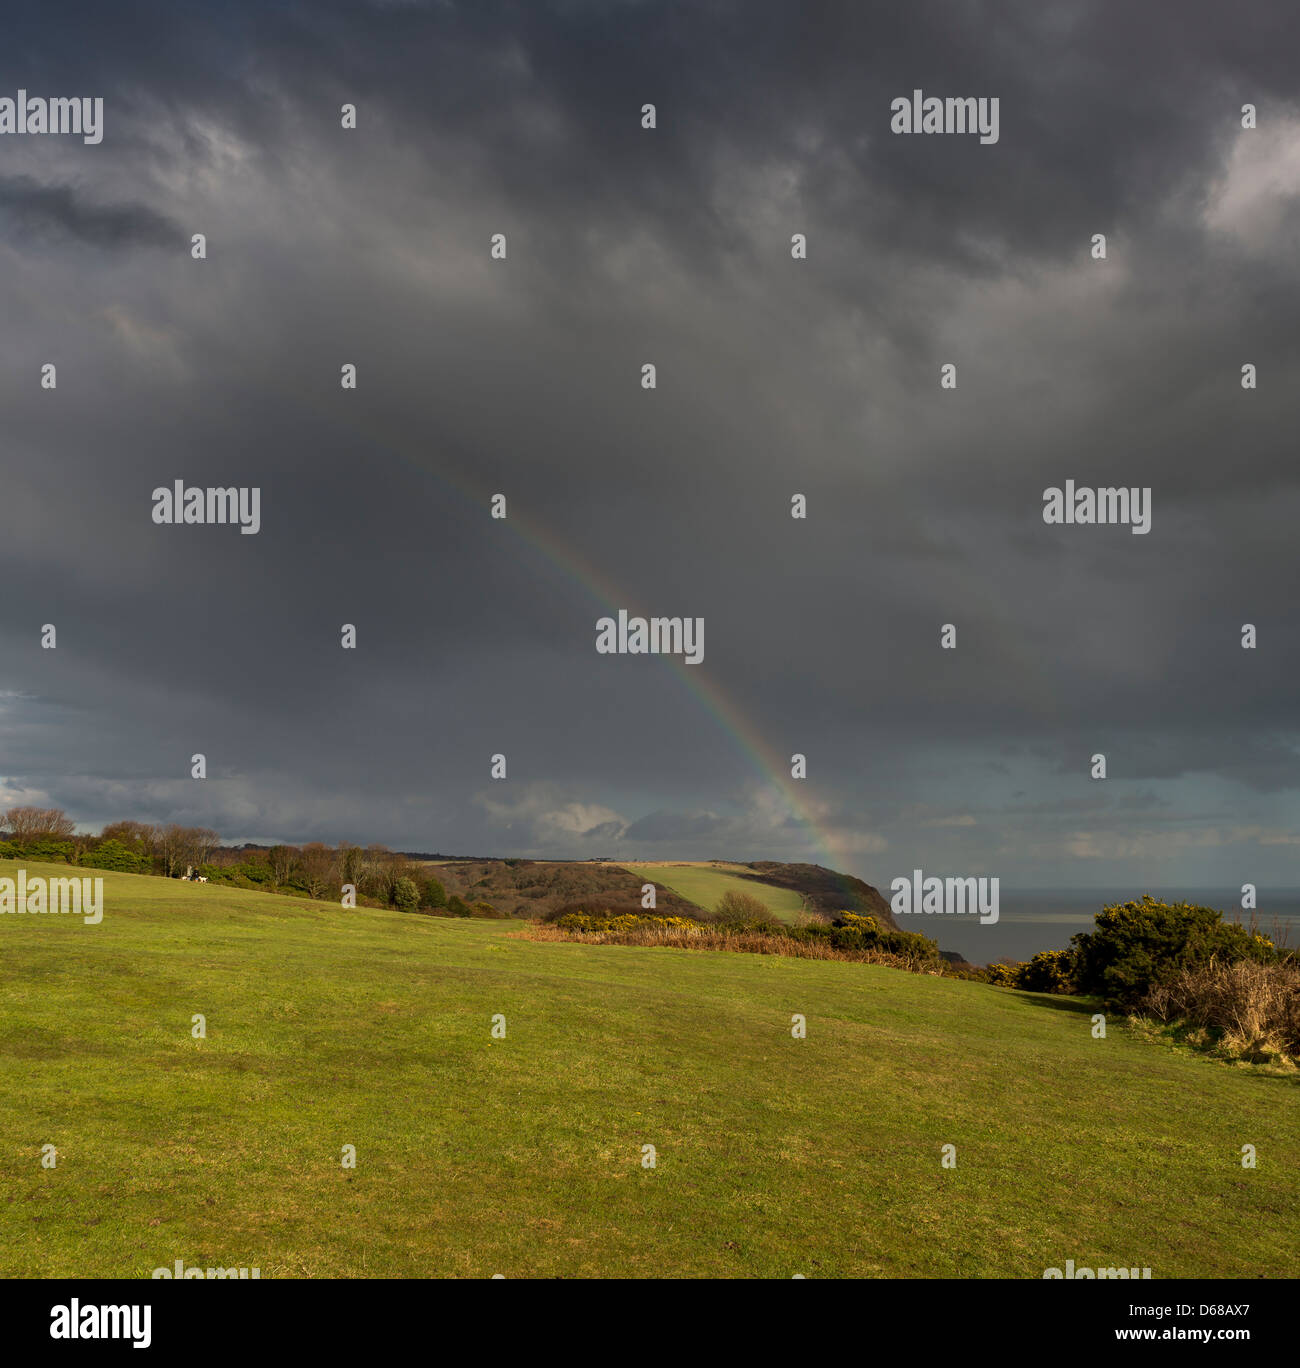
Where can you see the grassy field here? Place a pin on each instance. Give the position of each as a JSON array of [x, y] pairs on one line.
[[522, 1156], [705, 884]]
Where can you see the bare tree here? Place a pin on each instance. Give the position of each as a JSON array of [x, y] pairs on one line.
[[203, 842], [384, 868], [316, 864], [281, 859], [173, 841], [140, 836], [374, 862], [350, 859], [33, 823]]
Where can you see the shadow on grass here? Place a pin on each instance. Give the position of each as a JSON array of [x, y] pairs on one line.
[[1061, 1003]]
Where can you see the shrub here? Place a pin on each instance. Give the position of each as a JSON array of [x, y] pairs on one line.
[[640, 928], [232, 879], [112, 854], [406, 897], [44, 848], [598, 908], [856, 931], [606, 923], [1138, 946], [1252, 1008], [432, 894], [457, 906], [737, 908], [241, 874], [1050, 971], [851, 937], [1003, 975]]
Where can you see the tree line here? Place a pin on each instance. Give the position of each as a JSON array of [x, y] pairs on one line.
[[380, 876]]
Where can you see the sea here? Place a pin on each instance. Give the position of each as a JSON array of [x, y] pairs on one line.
[[1030, 919]]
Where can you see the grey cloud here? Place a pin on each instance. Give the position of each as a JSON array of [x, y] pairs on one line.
[[55, 214], [775, 376]]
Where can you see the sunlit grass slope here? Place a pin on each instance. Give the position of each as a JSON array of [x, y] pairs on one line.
[[523, 1156], [705, 884]]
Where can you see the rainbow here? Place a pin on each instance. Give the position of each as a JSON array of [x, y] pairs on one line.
[[771, 769]]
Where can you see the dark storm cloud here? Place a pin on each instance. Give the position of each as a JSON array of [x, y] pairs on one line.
[[672, 246], [53, 213]]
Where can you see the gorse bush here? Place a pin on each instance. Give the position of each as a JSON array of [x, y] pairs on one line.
[[1050, 971], [1003, 975], [406, 896], [1138, 946], [595, 909], [854, 931], [852, 937], [1134, 948], [606, 922]]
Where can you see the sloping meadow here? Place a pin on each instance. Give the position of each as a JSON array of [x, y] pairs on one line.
[[373, 1094]]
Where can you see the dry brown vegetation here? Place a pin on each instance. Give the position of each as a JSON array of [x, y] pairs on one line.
[[1250, 1009]]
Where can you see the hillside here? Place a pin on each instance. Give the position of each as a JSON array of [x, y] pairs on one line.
[[703, 884], [522, 1155], [825, 890], [531, 888]]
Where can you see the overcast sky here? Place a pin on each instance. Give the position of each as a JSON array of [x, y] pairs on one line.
[[776, 376]]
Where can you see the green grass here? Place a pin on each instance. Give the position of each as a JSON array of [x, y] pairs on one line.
[[705, 884], [522, 1156]]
